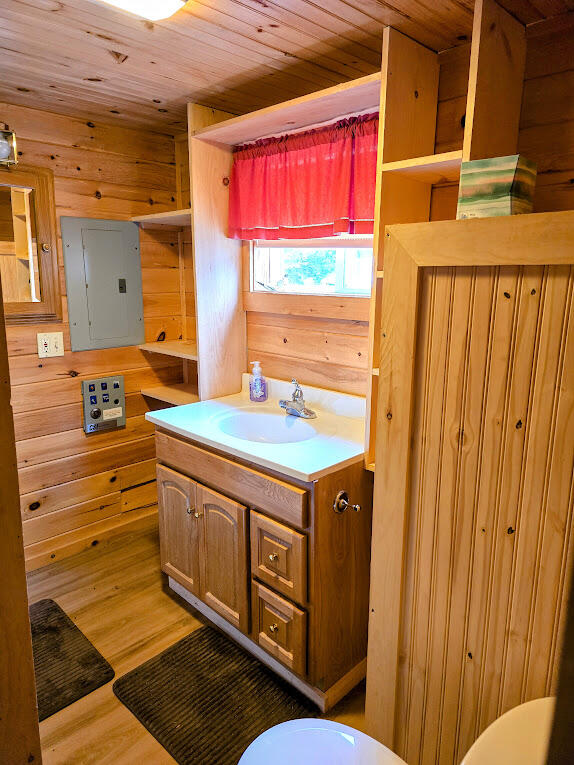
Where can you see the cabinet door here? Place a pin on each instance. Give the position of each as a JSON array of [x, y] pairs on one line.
[[179, 528], [224, 557]]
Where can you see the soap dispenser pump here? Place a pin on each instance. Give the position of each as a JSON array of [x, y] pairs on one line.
[[257, 384]]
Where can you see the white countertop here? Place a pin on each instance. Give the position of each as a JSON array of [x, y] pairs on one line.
[[334, 439]]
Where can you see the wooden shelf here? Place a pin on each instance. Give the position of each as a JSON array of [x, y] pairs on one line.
[[183, 349], [436, 168], [171, 218], [358, 95], [375, 372], [379, 274], [177, 394], [370, 466]]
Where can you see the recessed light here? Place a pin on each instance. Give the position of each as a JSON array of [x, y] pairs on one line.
[[154, 10]]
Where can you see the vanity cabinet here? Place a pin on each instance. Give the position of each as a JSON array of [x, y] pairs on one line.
[[269, 561]]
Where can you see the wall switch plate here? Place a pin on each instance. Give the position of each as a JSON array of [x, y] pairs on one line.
[[50, 344]]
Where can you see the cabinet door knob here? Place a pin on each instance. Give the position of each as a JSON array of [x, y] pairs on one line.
[[188, 510], [273, 628], [196, 514], [273, 557]]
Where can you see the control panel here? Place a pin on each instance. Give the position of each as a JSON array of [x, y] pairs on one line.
[[104, 403]]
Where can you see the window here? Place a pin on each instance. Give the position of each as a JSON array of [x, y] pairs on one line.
[[313, 267]]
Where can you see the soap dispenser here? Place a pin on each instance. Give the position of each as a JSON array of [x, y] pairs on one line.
[[257, 384]]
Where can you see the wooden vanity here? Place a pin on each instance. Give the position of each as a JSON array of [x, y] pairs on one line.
[[270, 562]]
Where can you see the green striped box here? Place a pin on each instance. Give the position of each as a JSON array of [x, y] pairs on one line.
[[497, 186]]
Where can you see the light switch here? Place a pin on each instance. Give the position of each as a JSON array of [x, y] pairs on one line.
[[50, 344]]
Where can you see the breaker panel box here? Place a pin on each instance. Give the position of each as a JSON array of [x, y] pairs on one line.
[[104, 403]]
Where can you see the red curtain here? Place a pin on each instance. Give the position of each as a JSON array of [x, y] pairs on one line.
[[306, 185]]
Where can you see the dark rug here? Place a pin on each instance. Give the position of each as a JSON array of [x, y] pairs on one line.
[[66, 664], [205, 699]]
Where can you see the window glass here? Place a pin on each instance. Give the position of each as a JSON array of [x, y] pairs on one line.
[[312, 268]]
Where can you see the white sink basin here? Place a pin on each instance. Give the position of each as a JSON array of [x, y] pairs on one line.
[[267, 428]]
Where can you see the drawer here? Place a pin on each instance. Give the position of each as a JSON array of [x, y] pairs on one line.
[[277, 498], [280, 628], [279, 557]]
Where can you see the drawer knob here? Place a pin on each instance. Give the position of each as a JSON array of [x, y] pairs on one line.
[[273, 557], [273, 628]]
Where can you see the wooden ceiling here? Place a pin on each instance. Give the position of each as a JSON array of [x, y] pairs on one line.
[[86, 59]]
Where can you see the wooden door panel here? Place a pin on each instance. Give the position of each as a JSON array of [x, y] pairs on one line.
[[179, 528], [224, 556]]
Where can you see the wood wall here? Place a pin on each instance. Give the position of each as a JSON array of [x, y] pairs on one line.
[[490, 538], [78, 490], [333, 352]]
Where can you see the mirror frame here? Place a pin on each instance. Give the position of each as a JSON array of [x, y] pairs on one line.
[[50, 307]]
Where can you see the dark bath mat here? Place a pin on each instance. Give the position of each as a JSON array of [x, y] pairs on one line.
[[66, 664], [205, 699]]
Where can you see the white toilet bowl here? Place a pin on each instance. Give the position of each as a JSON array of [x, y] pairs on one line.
[[519, 736], [321, 742]]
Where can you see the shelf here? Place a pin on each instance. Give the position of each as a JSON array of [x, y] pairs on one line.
[[379, 274], [358, 95], [180, 348], [436, 168], [172, 394], [171, 218], [370, 466], [375, 372]]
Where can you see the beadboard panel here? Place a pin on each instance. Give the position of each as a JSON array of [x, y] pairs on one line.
[[76, 488], [489, 529]]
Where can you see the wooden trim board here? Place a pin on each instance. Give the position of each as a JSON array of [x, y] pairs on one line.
[[19, 732]]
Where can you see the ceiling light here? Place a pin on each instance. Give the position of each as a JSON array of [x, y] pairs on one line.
[[154, 10]]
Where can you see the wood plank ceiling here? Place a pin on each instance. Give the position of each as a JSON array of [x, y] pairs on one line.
[[86, 59]]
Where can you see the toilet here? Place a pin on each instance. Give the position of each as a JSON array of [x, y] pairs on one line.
[[518, 736]]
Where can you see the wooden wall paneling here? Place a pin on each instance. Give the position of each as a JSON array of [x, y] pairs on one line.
[[19, 732], [100, 171], [481, 564], [220, 319], [538, 577], [183, 192], [497, 60]]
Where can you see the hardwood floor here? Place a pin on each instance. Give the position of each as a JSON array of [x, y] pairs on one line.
[[117, 598]]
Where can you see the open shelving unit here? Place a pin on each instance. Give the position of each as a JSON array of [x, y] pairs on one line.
[[408, 170], [171, 218], [182, 349], [176, 394]]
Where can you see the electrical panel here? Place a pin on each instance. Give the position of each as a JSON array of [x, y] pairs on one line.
[[104, 403], [103, 282]]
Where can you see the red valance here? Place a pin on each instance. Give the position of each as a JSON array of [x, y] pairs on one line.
[[306, 185]]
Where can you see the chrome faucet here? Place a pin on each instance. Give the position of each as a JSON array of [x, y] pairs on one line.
[[296, 406]]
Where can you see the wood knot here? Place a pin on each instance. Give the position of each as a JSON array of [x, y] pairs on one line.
[[389, 416], [34, 506], [510, 530]]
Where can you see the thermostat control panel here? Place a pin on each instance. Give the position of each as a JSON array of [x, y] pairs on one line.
[[104, 403]]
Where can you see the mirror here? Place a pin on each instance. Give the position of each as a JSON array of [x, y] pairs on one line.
[[28, 254], [19, 267]]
